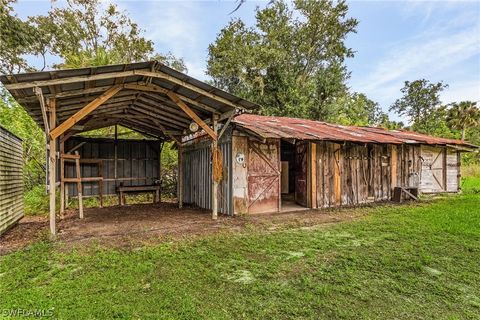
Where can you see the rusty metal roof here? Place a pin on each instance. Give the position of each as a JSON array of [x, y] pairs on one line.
[[302, 129]]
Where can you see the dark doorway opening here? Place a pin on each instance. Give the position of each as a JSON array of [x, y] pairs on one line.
[[292, 167]]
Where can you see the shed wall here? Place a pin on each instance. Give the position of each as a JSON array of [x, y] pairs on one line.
[[440, 169], [365, 173], [11, 179], [197, 174], [137, 164]]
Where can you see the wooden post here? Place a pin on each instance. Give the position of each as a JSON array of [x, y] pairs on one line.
[[214, 165], [337, 182], [62, 176], [180, 177], [115, 158], [100, 183], [393, 166], [52, 164], [160, 149], [313, 175], [79, 186]]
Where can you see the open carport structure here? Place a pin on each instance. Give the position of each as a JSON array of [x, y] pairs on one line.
[[147, 97]]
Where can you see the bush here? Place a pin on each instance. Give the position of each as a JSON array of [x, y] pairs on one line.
[[36, 201]]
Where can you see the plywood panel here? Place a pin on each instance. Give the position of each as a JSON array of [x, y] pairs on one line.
[[432, 174]]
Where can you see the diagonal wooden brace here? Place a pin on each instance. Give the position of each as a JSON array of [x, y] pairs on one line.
[[70, 122], [192, 115]]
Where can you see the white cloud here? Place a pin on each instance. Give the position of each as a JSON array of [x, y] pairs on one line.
[[462, 91], [439, 53], [425, 55], [173, 26]]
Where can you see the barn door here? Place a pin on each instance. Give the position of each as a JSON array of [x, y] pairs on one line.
[[301, 173], [433, 163], [263, 177]]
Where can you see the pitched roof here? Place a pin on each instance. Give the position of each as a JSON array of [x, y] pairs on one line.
[[302, 129], [141, 104]]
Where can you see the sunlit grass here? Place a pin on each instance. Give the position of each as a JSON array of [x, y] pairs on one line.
[[399, 262]]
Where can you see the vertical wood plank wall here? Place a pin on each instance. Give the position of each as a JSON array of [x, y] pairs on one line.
[[11, 179], [348, 174], [137, 163]]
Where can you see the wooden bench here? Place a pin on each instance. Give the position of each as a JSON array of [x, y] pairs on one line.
[[122, 190]]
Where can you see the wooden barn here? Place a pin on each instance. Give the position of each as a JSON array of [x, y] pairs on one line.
[[273, 164], [147, 97], [230, 160]]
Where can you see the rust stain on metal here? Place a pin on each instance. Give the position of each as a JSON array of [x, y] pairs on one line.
[[303, 129]]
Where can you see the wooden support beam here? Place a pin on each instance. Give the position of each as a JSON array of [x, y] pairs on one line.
[[110, 75], [79, 185], [337, 182], [160, 147], [214, 166], [70, 122], [69, 156], [41, 99], [164, 131], [62, 176], [313, 174], [66, 94], [393, 166], [42, 83], [158, 89], [180, 176], [52, 168], [169, 78], [225, 126], [192, 115]]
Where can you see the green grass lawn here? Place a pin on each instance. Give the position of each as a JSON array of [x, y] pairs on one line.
[[399, 262]]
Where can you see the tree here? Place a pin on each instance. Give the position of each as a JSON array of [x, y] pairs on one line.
[[355, 109], [421, 104], [84, 33], [463, 115], [79, 34], [291, 62], [17, 38]]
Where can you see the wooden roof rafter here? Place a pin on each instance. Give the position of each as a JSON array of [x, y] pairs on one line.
[[144, 92]]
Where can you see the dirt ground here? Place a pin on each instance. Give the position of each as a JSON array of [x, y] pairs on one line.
[[134, 225]]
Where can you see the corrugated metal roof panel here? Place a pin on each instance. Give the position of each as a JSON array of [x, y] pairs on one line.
[[303, 129]]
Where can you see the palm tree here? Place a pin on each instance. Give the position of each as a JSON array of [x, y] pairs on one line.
[[463, 115]]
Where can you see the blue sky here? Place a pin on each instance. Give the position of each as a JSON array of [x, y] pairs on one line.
[[396, 40]]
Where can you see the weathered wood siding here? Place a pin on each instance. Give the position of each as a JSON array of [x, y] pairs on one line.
[[453, 170], [440, 169], [350, 174], [255, 175], [11, 179], [137, 163], [263, 175], [239, 174], [409, 166]]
